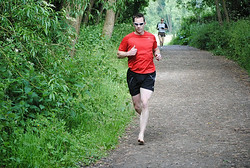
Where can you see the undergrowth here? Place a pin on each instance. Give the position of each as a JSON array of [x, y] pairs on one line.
[[230, 40], [58, 111]]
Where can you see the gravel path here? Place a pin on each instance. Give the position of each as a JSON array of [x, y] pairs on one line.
[[199, 116]]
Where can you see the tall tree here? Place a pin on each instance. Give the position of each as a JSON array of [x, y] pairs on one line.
[[74, 13], [109, 20], [100, 11], [127, 8], [88, 12], [218, 12], [225, 10]]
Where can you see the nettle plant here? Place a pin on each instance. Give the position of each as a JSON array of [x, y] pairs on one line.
[[51, 102], [30, 38]]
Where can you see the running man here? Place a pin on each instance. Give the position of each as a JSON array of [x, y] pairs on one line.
[[140, 47], [161, 27]]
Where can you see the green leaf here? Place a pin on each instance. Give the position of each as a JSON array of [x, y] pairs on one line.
[[41, 106], [27, 89], [80, 85], [12, 115], [32, 115]]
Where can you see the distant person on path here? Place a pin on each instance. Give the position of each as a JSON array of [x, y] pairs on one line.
[[140, 47], [161, 27]]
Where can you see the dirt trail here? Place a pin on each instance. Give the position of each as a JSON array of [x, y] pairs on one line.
[[199, 116]]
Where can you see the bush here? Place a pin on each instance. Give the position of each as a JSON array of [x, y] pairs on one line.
[[28, 70], [231, 40], [208, 37], [56, 110], [182, 36], [239, 43]]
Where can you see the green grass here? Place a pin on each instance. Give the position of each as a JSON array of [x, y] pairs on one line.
[[58, 111]]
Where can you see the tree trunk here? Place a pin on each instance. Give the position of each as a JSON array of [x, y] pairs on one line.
[[117, 15], [86, 17], [75, 23], [225, 10], [109, 21], [100, 13], [218, 12], [170, 26]]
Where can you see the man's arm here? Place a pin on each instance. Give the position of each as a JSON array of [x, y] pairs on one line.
[[166, 26], [123, 54], [157, 54]]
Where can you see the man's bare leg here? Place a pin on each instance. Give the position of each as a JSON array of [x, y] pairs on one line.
[[137, 103], [141, 106], [160, 39]]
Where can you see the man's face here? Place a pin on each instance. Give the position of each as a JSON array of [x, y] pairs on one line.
[[139, 25]]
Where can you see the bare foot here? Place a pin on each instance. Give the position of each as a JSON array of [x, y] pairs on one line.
[[141, 139], [141, 142]]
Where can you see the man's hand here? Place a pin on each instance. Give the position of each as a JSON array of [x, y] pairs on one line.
[[132, 52], [123, 54], [158, 56]]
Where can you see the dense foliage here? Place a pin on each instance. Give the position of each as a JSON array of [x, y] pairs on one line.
[[60, 111], [126, 9], [230, 39], [236, 9], [57, 111], [94, 10]]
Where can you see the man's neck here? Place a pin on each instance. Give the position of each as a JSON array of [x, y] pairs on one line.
[[139, 33]]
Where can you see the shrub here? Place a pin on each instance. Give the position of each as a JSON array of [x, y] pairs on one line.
[[231, 40], [239, 42], [208, 37], [57, 110], [182, 36]]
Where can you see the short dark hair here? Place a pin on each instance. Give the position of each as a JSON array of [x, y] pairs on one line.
[[138, 15]]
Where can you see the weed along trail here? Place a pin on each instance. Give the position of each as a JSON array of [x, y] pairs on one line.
[[199, 116]]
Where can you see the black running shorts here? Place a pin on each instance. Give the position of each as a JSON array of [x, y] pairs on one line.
[[136, 81], [162, 34]]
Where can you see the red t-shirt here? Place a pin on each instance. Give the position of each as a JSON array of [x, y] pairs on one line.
[[145, 44]]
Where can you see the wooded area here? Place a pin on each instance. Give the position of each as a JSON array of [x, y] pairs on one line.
[[63, 93], [120, 11]]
